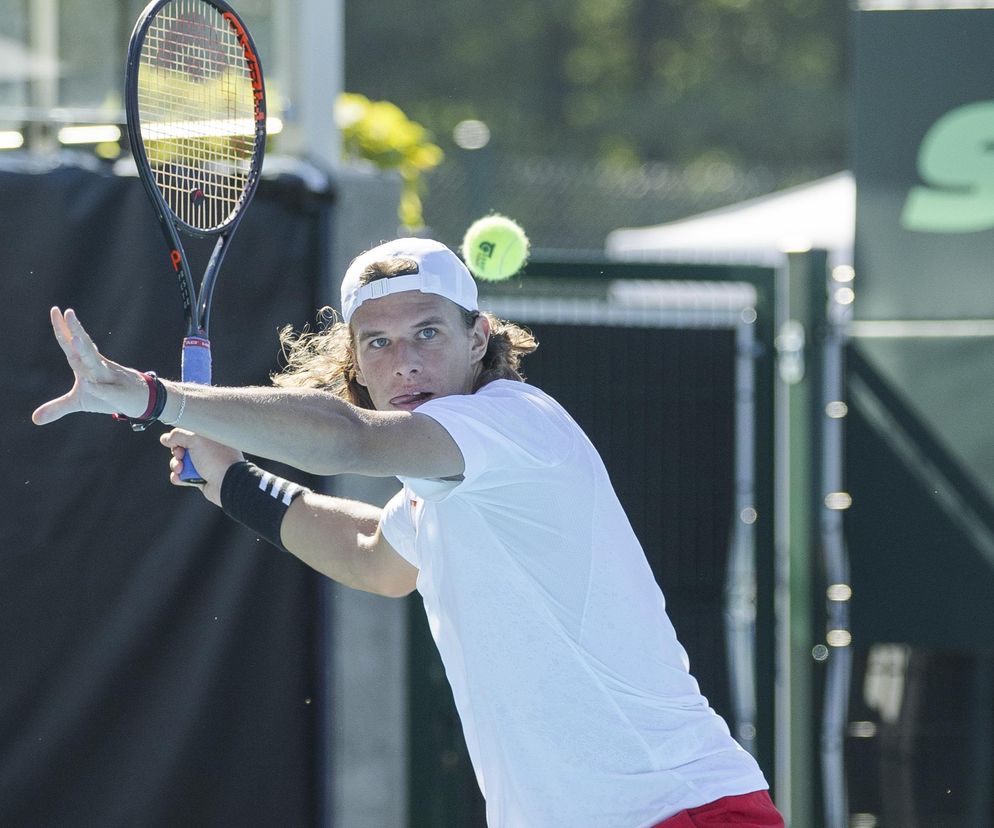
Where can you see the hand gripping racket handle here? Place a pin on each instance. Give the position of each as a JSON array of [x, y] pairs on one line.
[[196, 367]]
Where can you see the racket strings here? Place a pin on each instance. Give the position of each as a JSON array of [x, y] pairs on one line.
[[197, 113]]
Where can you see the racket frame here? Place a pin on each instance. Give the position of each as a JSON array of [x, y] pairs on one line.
[[196, 304], [196, 362]]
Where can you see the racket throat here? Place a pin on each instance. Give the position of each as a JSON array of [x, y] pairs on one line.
[[203, 315]]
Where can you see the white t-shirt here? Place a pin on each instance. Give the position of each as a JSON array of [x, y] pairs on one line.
[[574, 694]]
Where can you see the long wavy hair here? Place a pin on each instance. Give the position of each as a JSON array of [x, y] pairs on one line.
[[325, 358]]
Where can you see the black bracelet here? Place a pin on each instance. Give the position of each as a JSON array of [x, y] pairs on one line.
[[258, 499], [156, 404]]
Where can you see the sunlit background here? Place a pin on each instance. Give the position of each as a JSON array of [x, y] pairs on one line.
[[728, 178], [575, 117]]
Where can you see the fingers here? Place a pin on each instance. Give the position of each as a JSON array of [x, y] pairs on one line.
[[170, 441], [175, 441], [176, 480], [75, 342], [58, 322], [85, 346], [176, 467], [176, 438], [54, 409], [76, 327], [67, 327], [62, 333]]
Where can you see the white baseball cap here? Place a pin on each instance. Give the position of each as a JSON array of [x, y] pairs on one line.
[[440, 271]]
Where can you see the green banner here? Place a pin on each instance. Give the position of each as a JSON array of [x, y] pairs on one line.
[[924, 164], [920, 373]]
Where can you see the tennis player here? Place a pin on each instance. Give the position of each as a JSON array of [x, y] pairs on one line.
[[574, 694]]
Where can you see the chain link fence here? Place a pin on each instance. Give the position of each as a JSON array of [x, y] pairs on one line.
[[572, 205]]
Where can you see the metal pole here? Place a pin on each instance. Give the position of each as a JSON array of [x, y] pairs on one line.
[[311, 74], [829, 412], [795, 723], [43, 33], [740, 582]]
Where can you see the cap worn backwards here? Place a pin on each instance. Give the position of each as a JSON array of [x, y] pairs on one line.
[[440, 271]]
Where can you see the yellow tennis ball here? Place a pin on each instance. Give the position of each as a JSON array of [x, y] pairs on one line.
[[495, 248]]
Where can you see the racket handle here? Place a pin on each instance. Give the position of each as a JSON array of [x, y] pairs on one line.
[[196, 367]]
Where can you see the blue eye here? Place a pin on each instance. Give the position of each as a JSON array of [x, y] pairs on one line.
[[428, 333], [379, 342]]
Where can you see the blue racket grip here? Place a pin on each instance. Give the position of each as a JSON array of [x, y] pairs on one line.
[[196, 367]]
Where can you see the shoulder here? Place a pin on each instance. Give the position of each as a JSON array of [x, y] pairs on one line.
[[515, 391], [505, 423], [499, 401]]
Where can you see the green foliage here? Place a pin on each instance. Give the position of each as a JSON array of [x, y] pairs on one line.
[[380, 132], [630, 81]]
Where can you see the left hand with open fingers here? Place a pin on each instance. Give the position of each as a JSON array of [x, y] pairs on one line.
[[100, 385]]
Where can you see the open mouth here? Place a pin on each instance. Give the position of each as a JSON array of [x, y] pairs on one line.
[[411, 400]]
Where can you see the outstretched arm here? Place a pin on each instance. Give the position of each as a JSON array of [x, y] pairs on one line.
[[307, 428], [100, 386]]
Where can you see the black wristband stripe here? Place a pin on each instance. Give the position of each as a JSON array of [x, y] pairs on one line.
[[258, 499]]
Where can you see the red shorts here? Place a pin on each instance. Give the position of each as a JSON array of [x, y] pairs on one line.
[[751, 810]]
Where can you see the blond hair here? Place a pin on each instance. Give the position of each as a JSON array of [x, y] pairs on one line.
[[326, 358]]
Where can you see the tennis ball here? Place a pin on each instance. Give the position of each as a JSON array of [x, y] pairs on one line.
[[495, 248]]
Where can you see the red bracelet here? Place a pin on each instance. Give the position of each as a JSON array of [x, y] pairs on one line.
[[152, 394], [154, 407]]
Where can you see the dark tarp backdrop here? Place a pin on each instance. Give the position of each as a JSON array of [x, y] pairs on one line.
[[158, 661]]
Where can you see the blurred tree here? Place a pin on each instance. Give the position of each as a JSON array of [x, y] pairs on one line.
[[379, 132], [683, 81]]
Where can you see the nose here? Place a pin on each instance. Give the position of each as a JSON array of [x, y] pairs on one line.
[[407, 359]]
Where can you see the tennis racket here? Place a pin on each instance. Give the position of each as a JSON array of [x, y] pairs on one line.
[[196, 112]]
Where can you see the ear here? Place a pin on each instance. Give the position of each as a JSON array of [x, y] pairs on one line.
[[359, 378], [480, 338]]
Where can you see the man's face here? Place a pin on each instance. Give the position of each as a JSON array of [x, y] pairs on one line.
[[412, 347]]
